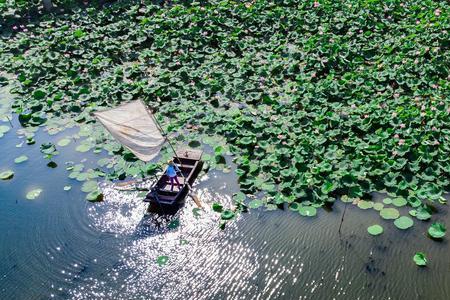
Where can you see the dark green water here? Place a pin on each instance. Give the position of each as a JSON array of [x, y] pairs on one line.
[[63, 247]]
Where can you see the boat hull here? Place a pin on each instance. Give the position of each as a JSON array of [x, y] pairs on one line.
[[164, 201]]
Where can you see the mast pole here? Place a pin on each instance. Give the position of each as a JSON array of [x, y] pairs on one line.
[[194, 196], [167, 140]]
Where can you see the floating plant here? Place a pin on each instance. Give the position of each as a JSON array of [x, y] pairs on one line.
[[375, 229], [33, 194], [437, 230], [338, 106], [420, 259]]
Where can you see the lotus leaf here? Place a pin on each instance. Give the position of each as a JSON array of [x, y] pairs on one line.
[[404, 222], [63, 142], [33, 194], [307, 211], [217, 207], [89, 186], [423, 213], [420, 259], [378, 206], [95, 196], [6, 175], [83, 148], [162, 260], [294, 206], [387, 201], [365, 204], [346, 199], [227, 214], [389, 213], [437, 230], [21, 159], [239, 197], [196, 212], [255, 203], [375, 229], [174, 224], [399, 202]]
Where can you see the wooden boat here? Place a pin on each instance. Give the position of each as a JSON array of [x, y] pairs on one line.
[[136, 128], [161, 198]]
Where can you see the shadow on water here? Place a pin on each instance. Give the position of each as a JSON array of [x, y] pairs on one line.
[[153, 224]]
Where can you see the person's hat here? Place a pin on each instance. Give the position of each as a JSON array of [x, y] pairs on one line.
[[170, 162]]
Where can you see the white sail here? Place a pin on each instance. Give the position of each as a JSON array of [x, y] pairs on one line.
[[133, 125]]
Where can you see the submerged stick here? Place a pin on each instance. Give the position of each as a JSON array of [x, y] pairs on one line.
[[342, 219], [9, 120]]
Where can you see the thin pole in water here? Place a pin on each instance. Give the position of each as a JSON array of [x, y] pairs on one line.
[[342, 219], [9, 120]]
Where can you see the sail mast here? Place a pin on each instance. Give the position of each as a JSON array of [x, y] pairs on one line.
[[165, 135]]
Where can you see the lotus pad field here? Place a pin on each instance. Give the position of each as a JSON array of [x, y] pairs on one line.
[[315, 100]]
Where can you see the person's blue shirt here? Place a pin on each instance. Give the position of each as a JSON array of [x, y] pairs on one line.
[[172, 170]]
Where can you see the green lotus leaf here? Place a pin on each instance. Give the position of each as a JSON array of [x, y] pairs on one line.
[[420, 259], [245, 141], [437, 230], [89, 186], [307, 211], [404, 222], [6, 175], [39, 94], [63, 142], [387, 201], [194, 144], [365, 204], [82, 176], [83, 148], [239, 197], [196, 212], [328, 187], [355, 191], [378, 206], [33, 194], [79, 33], [375, 229], [346, 199], [227, 214], [174, 224], [294, 206], [162, 260], [217, 207], [399, 202], [389, 213], [423, 213], [255, 203], [95, 196], [21, 159]]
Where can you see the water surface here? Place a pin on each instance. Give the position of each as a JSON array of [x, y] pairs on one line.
[[61, 246]]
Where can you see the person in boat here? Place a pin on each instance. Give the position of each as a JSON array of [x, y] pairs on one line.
[[171, 171]]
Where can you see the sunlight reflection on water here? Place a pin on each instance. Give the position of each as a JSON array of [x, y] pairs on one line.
[[196, 245]]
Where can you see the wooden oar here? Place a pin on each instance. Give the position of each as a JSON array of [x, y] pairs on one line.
[[195, 197], [127, 183], [192, 194]]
